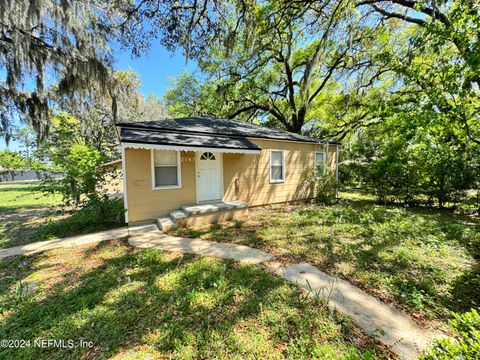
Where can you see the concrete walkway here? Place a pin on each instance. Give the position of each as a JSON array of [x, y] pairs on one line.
[[33, 248], [156, 239], [376, 318]]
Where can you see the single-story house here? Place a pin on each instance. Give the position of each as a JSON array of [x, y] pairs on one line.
[[171, 168]]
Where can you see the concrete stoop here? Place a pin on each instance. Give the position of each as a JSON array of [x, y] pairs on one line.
[[198, 213]]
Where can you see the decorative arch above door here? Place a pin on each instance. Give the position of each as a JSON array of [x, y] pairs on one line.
[[207, 156]]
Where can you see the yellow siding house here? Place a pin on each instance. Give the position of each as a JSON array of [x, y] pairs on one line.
[[184, 167]]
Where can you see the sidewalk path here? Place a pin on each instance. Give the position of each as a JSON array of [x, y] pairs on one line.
[[33, 248], [376, 318]]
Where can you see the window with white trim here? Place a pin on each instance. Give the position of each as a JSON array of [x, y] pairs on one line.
[[166, 168], [277, 166], [319, 167]]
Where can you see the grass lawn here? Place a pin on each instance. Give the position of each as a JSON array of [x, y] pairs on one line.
[[27, 216], [424, 261], [135, 303], [23, 197]]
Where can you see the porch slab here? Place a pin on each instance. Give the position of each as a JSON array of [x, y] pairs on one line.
[[213, 207], [214, 217], [201, 214]]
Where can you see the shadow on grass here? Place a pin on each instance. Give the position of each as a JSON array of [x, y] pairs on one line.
[[48, 225], [465, 291], [180, 306], [408, 235], [422, 259], [225, 232]]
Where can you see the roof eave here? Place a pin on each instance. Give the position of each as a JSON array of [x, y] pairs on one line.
[[159, 146]]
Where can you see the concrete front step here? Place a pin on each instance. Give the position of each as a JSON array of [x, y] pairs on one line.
[[165, 224], [177, 215], [168, 223], [213, 207]]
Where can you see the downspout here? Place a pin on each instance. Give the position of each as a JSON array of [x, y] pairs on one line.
[[327, 152], [338, 148], [327, 158], [124, 180], [124, 175]]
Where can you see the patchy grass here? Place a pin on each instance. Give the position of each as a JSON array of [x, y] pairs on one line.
[[424, 261], [145, 303], [27, 216]]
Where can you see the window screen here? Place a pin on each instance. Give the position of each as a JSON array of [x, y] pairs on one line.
[[166, 168], [277, 164]]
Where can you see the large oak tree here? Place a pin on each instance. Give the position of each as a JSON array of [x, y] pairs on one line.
[[280, 66]]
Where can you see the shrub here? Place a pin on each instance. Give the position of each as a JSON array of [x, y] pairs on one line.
[[84, 187], [101, 209], [412, 170], [465, 345], [325, 184], [69, 153]]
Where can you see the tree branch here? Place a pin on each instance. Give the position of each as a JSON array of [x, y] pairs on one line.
[[242, 110], [433, 12], [390, 15], [327, 77]]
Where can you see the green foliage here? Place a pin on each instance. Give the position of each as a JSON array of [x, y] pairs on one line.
[[411, 167], [189, 96], [11, 160], [465, 345], [84, 185], [79, 166], [275, 68], [68, 153], [416, 88], [421, 138], [71, 48], [102, 210], [95, 115], [325, 184]]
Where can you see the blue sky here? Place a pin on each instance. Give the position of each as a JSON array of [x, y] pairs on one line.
[[155, 69]]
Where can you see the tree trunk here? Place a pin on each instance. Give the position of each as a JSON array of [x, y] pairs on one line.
[[441, 195], [298, 120]]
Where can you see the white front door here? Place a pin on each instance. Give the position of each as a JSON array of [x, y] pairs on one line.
[[209, 176]]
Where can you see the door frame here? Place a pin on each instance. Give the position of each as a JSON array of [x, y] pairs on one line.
[[219, 156]]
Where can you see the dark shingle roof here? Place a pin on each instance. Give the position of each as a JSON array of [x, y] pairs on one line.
[[204, 125], [147, 136]]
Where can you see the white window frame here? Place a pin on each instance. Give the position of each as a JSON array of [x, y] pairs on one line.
[[179, 172], [272, 181], [316, 176]]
